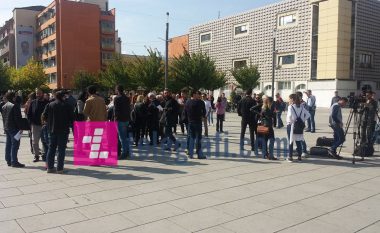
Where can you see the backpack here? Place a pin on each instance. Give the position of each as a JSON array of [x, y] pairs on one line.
[[299, 124]]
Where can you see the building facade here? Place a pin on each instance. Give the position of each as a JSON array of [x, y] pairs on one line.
[[74, 36], [322, 45]]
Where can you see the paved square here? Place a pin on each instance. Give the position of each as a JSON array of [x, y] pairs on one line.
[[222, 194]]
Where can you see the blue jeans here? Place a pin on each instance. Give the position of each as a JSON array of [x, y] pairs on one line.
[[195, 136], [122, 128], [57, 140], [169, 135], [298, 144], [210, 117], [264, 142], [45, 139], [339, 137], [311, 121], [280, 124], [11, 146]]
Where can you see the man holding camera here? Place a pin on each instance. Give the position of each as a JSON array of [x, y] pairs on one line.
[[368, 120]]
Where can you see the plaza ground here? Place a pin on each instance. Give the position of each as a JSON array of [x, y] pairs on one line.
[[222, 194]]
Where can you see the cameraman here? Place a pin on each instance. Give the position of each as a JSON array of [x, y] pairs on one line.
[[368, 114], [336, 123]]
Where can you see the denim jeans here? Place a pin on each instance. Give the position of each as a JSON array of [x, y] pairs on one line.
[[45, 140], [57, 140], [169, 135], [264, 142], [280, 124], [122, 128], [210, 117], [195, 136], [298, 143], [311, 121], [338, 137], [219, 123], [11, 146]]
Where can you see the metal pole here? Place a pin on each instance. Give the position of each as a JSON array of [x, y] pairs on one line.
[[355, 28], [167, 51], [273, 62]]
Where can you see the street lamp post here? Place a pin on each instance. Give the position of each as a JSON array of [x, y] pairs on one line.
[[274, 60], [167, 51]]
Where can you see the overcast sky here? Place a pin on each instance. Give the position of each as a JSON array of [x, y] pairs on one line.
[[142, 22]]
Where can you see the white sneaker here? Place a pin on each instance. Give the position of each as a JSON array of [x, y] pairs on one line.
[[290, 160], [305, 155]]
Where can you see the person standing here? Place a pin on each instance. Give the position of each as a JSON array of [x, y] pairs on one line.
[[11, 113], [220, 111], [182, 101], [80, 106], [141, 112], [122, 113], [368, 116], [247, 119], [35, 111], [95, 106], [31, 97], [195, 112], [280, 108], [336, 123], [153, 120], [311, 108], [208, 110], [171, 110], [296, 117], [266, 114], [335, 99], [59, 117], [211, 115]]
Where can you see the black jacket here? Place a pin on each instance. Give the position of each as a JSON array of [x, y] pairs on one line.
[[172, 111], [141, 112], [244, 108], [122, 108], [11, 116], [35, 111], [58, 116], [195, 111], [153, 116]]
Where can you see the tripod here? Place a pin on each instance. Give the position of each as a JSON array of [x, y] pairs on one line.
[[356, 133]]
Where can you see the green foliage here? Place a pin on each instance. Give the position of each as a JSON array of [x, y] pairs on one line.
[[247, 77], [148, 73], [196, 71], [4, 77], [83, 79], [116, 73], [29, 77]]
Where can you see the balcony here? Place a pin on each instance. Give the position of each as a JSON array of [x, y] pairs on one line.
[[4, 50]]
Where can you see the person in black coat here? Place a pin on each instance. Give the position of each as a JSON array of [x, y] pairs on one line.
[[153, 119], [247, 118], [140, 114], [171, 111]]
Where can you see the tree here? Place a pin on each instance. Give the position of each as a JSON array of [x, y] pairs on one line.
[[148, 73], [4, 77], [248, 77], [197, 71], [29, 77], [83, 79], [116, 73]]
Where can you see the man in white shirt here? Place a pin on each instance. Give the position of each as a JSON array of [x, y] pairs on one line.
[[311, 107]]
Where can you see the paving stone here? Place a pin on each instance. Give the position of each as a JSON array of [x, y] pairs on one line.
[[19, 212], [107, 208], [27, 199], [43, 187], [160, 226], [154, 198], [52, 230], [65, 203], [110, 223], [50, 220], [9, 192], [373, 228], [10, 227]]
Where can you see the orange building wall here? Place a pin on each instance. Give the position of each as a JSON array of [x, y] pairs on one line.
[[79, 40], [177, 45]]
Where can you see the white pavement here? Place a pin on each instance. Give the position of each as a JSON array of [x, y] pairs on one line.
[[224, 194]]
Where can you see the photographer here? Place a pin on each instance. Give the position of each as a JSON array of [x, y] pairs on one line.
[[336, 123], [368, 116]]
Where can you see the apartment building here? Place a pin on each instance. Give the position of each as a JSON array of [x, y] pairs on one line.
[[322, 45], [17, 36], [74, 36]]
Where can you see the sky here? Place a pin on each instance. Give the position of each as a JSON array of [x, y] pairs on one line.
[[141, 23]]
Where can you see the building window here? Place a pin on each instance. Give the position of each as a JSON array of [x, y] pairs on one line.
[[240, 63], [108, 43], [107, 26], [287, 19], [241, 30], [378, 85], [284, 85], [365, 60], [52, 77], [301, 87], [106, 57], [268, 88], [205, 38], [286, 60]]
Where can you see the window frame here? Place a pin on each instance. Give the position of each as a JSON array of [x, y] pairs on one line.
[[203, 34], [241, 34], [239, 60], [365, 64], [285, 14], [286, 66], [282, 83]]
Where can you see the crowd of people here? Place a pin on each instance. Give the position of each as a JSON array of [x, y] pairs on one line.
[[153, 119]]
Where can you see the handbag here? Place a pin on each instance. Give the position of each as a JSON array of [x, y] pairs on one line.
[[262, 130]]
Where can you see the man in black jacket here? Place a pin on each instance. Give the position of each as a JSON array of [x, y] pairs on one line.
[[171, 111], [195, 111], [59, 118], [122, 115], [11, 113], [247, 118], [153, 119], [35, 111]]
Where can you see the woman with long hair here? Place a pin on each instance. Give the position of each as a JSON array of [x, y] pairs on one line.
[[295, 119], [267, 139], [220, 111]]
